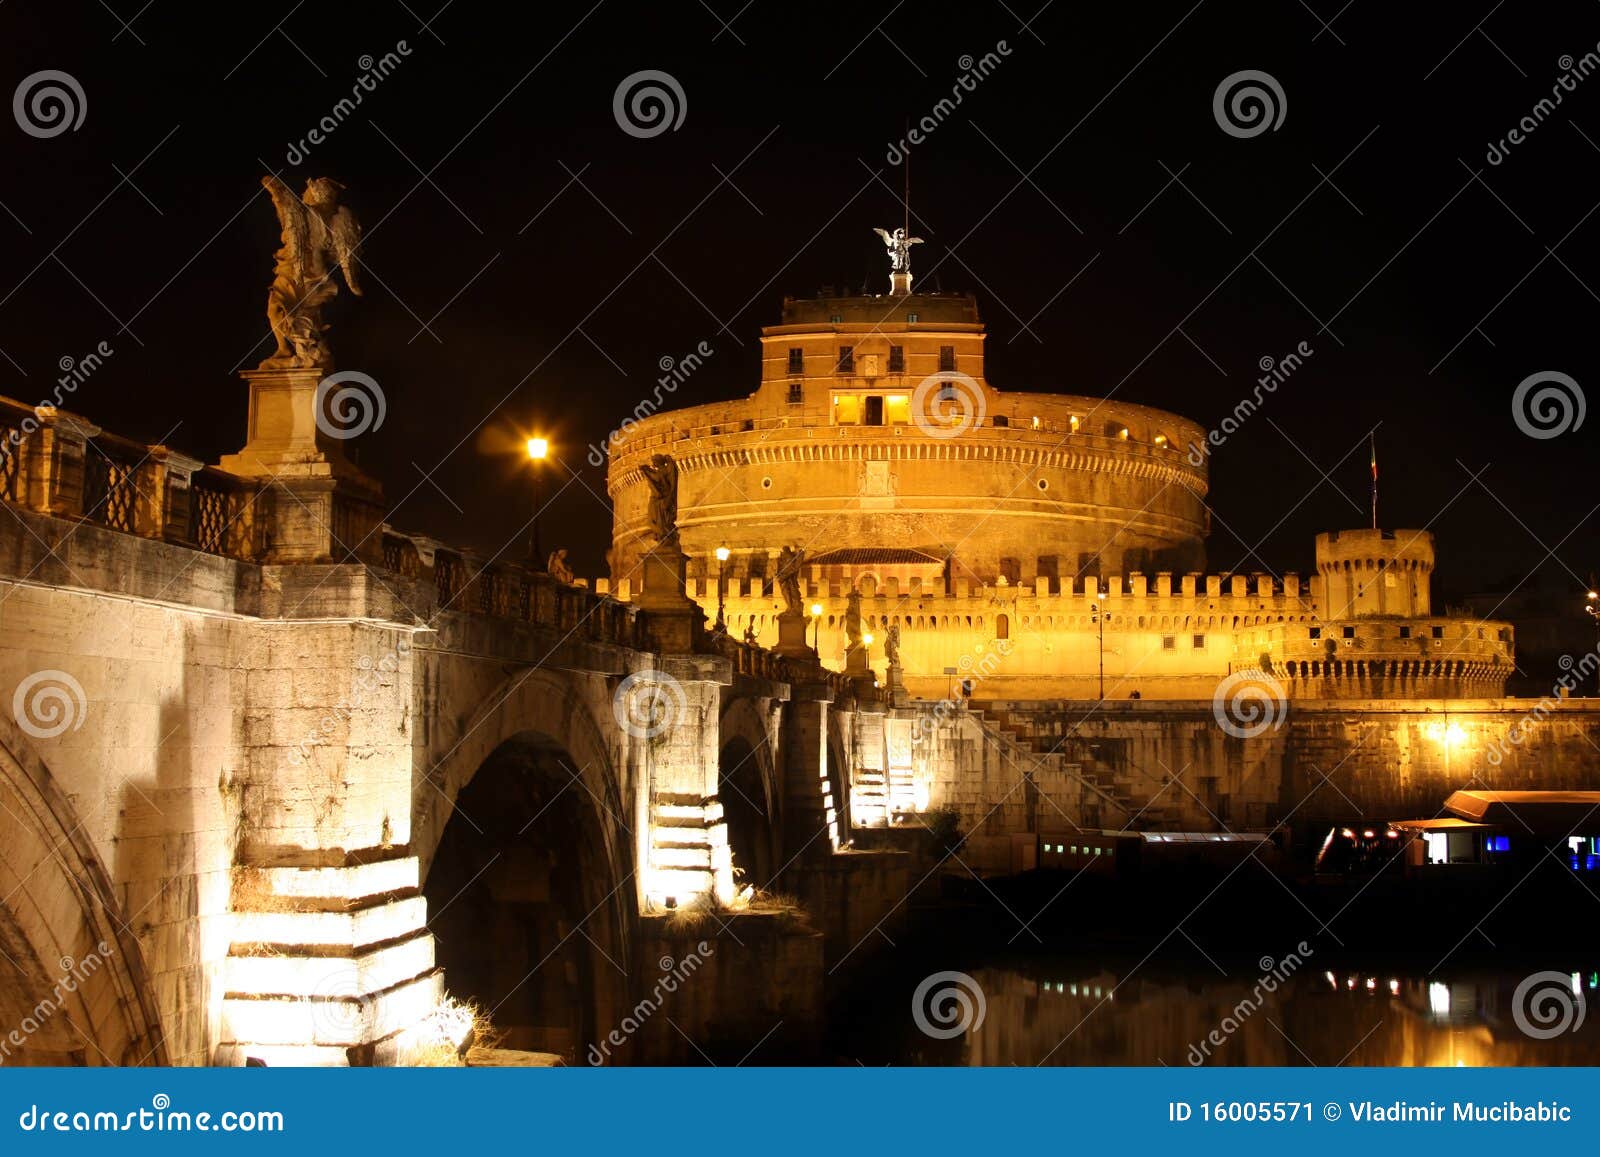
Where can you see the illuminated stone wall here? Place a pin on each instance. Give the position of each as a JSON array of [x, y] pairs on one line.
[[1022, 768]]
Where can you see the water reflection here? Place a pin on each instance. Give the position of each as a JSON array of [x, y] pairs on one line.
[[1083, 1014]]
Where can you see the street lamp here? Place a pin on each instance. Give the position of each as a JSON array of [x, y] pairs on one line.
[[1100, 620], [538, 451], [1591, 607], [816, 622], [722, 622]]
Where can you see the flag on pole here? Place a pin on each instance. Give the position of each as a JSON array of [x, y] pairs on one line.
[[1374, 437]]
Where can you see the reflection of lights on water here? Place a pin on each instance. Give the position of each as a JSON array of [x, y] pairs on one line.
[[1394, 988], [1439, 998], [1577, 985]]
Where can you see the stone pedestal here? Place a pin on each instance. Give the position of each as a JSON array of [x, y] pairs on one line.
[[855, 661], [320, 506], [895, 687], [671, 613], [792, 637]]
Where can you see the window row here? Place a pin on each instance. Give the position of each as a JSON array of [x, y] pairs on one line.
[[846, 363]]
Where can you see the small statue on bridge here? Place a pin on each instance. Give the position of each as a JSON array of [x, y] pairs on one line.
[[317, 233], [852, 619], [662, 474], [790, 560], [750, 635], [558, 569], [891, 645]]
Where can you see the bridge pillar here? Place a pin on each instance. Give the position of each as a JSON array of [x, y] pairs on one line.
[[809, 803], [687, 854], [330, 960]]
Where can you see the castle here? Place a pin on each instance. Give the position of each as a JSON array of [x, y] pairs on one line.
[[1033, 545]]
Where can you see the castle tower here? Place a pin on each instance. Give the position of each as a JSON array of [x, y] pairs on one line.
[[1376, 573]]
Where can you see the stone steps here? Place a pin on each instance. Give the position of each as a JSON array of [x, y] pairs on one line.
[[689, 853], [328, 963]]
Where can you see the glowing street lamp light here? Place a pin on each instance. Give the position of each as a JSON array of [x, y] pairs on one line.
[[722, 622], [816, 622], [538, 451]]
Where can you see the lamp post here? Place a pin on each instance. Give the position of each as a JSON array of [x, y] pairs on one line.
[[816, 623], [1100, 620], [1591, 607], [722, 622], [538, 451]]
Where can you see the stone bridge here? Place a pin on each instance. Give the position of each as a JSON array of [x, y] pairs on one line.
[[274, 779]]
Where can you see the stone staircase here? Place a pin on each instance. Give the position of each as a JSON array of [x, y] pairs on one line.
[[1118, 789], [689, 853], [876, 797], [330, 964]]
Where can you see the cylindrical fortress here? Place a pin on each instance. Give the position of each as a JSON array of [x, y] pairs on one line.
[[1375, 573], [874, 428]]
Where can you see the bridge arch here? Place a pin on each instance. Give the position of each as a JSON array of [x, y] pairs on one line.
[[752, 797], [529, 866], [73, 986]]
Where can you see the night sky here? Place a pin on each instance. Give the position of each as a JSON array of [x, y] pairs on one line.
[[530, 263]]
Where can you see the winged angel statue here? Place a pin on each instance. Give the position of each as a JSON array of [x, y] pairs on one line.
[[899, 249], [317, 232]]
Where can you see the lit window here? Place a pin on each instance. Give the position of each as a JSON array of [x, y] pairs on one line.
[[912, 319], [847, 409], [897, 409]]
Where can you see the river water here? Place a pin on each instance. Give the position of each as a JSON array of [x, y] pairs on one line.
[[1080, 1010]]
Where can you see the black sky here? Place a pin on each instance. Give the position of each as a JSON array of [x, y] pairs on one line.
[[551, 298]]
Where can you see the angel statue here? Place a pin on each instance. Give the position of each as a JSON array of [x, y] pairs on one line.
[[317, 231], [891, 645], [899, 247], [662, 474], [790, 560], [556, 567], [852, 619]]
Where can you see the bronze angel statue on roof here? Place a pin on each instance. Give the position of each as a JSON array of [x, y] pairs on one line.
[[318, 233], [899, 249]]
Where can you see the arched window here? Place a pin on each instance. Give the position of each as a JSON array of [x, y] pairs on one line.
[[1002, 626]]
